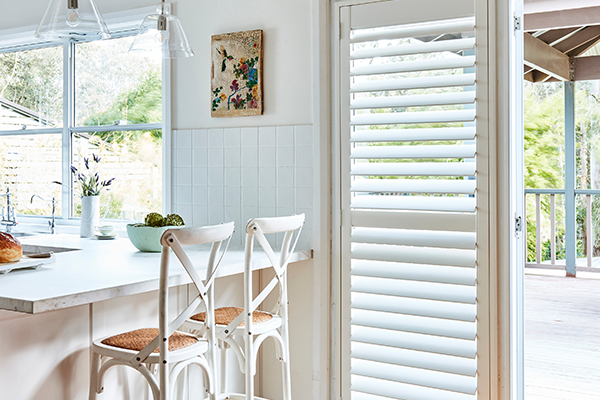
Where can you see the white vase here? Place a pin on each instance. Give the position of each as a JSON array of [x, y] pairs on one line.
[[90, 215]]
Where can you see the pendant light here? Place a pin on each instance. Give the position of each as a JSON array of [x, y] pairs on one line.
[[76, 19], [162, 32]]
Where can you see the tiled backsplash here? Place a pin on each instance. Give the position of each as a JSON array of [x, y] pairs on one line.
[[235, 174]]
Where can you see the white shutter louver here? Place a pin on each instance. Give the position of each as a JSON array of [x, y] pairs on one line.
[[411, 172]]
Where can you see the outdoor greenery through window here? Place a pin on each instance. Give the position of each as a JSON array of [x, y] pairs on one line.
[[116, 114], [545, 164]]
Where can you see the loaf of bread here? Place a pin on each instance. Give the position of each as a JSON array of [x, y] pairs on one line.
[[10, 248]]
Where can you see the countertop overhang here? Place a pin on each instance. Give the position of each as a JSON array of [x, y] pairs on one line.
[[105, 269]]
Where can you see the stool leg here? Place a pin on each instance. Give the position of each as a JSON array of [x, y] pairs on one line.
[[223, 367], [249, 373], [94, 375]]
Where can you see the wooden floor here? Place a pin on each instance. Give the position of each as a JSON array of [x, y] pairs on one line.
[[562, 338]]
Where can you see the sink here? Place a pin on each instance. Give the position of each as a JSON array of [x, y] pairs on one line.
[[29, 249], [22, 234]]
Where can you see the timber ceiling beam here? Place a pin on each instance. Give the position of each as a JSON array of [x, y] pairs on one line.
[[545, 58], [562, 19], [587, 68], [584, 36]]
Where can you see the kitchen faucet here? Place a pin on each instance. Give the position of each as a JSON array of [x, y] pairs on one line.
[[8, 213], [50, 223]]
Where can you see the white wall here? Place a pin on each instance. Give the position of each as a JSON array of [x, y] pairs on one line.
[[287, 60]]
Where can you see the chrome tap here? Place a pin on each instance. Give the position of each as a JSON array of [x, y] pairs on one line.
[[50, 223], [9, 218]]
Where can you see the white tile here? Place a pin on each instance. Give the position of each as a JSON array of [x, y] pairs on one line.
[[174, 199], [285, 136], [233, 196], [267, 136], [184, 176], [216, 176], [250, 177], [200, 157], [184, 139], [174, 177], [267, 212], [200, 138], [285, 177], [267, 156], [234, 214], [304, 135], [185, 211], [200, 176], [250, 156], [216, 215], [304, 156], [285, 197], [267, 197], [250, 196], [200, 195], [249, 137], [215, 138], [233, 176], [215, 196], [304, 197], [184, 157], [233, 157], [267, 177], [249, 213], [216, 157], [285, 156], [184, 194], [200, 215], [174, 135], [285, 211], [304, 177], [232, 137]]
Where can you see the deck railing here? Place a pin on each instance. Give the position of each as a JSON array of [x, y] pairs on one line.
[[586, 226]]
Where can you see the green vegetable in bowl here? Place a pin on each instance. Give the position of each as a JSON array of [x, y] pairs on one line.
[[154, 219], [174, 220]]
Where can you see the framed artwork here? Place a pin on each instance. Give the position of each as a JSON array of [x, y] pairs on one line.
[[236, 82]]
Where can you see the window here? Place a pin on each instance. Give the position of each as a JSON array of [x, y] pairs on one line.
[[54, 112]]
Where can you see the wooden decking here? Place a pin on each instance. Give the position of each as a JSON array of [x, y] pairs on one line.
[[562, 338]]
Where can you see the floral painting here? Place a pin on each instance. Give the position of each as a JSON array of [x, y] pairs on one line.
[[237, 74]]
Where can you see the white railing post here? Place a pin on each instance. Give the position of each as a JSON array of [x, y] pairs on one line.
[[538, 224], [588, 228], [553, 229]]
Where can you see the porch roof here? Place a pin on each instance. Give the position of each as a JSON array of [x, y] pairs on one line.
[[558, 34]]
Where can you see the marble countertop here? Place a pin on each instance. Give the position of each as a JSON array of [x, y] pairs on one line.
[[101, 270]]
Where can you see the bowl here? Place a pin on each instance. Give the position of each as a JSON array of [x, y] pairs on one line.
[[147, 238]]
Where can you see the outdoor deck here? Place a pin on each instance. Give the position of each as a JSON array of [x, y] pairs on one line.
[[562, 338]]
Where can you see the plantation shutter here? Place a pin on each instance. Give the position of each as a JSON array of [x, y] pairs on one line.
[[409, 211]]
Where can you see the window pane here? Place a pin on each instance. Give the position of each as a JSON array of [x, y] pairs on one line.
[[134, 159], [113, 85], [31, 88], [29, 164]]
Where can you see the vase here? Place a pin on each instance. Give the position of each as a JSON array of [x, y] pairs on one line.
[[90, 215]]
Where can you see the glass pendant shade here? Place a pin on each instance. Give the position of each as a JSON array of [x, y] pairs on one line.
[[77, 19], [162, 33]]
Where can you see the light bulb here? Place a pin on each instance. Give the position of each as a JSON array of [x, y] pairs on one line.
[[73, 18]]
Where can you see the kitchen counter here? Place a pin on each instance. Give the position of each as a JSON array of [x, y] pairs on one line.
[[102, 270]]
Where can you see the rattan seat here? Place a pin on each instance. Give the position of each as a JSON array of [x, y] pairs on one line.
[[225, 315], [138, 339]]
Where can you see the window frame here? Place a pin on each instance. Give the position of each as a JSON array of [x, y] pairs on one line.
[[121, 24]]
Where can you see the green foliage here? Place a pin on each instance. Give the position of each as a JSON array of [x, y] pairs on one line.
[[141, 105], [155, 219]]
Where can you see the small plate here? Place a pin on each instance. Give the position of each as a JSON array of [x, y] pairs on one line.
[[105, 237]]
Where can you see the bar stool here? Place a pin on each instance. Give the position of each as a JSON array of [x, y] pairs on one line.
[[165, 347], [235, 323]]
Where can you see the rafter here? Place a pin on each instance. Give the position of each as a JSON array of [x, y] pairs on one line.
[[562, 19], [574, 41], [556, 35], [545, 58], [587, 68]]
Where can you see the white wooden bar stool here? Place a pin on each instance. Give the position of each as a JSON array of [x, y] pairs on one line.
[[171, 351], [235, 323]]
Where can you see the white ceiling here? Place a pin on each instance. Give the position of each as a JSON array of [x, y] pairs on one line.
[[537, 6]]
